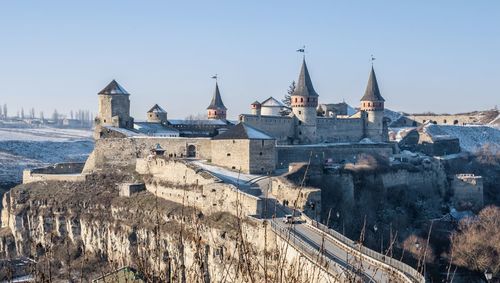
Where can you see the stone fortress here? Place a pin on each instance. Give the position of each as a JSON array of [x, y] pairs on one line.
[[304, 126], [258, 143]]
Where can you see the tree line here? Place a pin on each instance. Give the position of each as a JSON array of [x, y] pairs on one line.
[[78, 117]]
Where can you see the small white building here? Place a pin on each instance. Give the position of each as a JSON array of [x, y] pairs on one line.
[[271, 107]]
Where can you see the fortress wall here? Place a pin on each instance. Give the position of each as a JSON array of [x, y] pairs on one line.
[[429, 179], [175, 171], [340, 130], [318, 153], [262, 156], [282, 128], [29, 177], [231, 154], [57, 172], [211, 198], [123, 153], [61, 168], [468, 188], [444, 119], [283, 190]]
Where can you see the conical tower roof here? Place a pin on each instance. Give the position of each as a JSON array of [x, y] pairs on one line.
[[113, 88], [372, 93], [304, 84], [216, 102]]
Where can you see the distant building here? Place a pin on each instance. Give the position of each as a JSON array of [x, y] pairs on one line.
[[157, 115]]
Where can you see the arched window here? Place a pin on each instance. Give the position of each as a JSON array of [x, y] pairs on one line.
[[301, 99], [295, 99], [308, 99]]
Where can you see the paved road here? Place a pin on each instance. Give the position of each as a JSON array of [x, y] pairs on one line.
[[310, 240], [343, 262]]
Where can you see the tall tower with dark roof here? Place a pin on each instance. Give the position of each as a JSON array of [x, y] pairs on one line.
[[372, 109], [114, 107], [216, 109], [304, 101]]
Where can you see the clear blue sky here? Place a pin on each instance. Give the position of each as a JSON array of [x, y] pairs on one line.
[[441, 56]]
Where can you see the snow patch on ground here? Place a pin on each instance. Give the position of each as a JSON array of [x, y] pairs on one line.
[[393, 115], [23, 148], [471, 137]]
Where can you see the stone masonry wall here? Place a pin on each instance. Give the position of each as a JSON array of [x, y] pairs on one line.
[[340, 130], [232, 154], [299, 197], [210, 198], [467, 188], [175, 171], [318, 153], [56, 172], [123, 153], [262, 156]]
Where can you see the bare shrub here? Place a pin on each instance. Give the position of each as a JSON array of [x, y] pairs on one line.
[[416, 246], [476, 244]]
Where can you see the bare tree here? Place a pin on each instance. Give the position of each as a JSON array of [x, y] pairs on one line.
[[476, 244]]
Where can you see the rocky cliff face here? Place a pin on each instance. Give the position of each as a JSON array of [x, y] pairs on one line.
[[85, 229]]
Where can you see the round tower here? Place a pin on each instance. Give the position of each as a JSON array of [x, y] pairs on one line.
[[216, 109], [304, 101], [256, 107], [156, 115], [372, 108], [114, 107]]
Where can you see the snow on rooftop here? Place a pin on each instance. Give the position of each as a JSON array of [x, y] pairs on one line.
[[256, 134], [197, 122], [125, 132]]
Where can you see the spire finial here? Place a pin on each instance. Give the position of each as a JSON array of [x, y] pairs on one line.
[[372, 59], [215, 77], [303, 51]]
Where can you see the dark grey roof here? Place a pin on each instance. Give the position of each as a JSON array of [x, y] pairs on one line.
[[243, 131], [113, 88], [372, 93], [156, 109], [255, 103], [216, 102], [304, 84]]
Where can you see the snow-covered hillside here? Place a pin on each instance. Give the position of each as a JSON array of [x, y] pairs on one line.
[[471, 137], [22, 148]]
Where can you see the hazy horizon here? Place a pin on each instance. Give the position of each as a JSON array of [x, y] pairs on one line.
[[431, 56]]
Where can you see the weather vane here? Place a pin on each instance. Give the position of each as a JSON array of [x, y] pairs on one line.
[[214, 77], [372, 59], [302, 50]]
